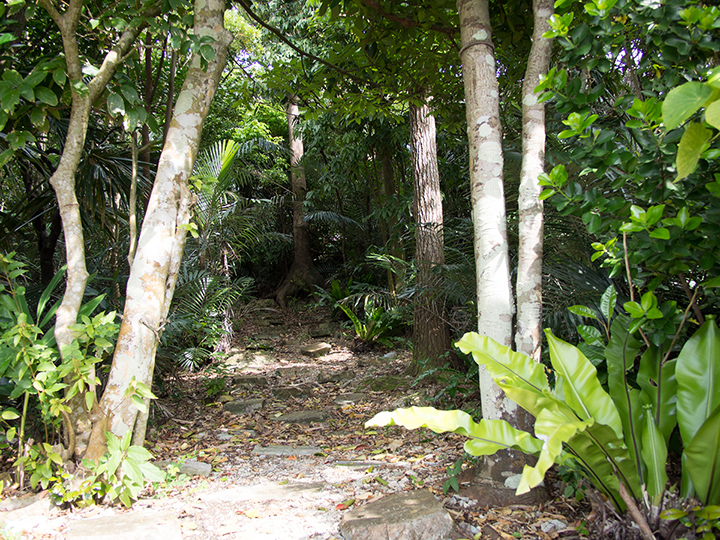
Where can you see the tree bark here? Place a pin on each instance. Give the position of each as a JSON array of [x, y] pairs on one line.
[[302, 271], [63, 179], [528, 334], [431, 336], [494, 296], [156, 263]]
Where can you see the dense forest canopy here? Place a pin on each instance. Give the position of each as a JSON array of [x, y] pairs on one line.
[[428, 168]]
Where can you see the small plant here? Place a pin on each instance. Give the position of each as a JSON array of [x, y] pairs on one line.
[[121, 474], [703, 521], [216, 385], [453, 472], [375, 325]]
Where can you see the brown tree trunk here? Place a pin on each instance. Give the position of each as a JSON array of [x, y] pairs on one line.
[[302, 272], [153, 274], [431, 337], [528, 334]]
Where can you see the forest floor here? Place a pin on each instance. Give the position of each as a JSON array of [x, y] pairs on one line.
[[274, 477]]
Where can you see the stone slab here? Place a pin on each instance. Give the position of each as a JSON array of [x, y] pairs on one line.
[[349, 399], [286, 392], [303, 417], [249, 380], [336, 376], [142, 525], [316, 350], [279, 450], [28, 518], [191, 467], [412, 515], [322, 330], [244, 407], [265, 492]]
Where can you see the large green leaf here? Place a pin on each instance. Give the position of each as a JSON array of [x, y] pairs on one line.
[[698, 378], [702, 459], [682, 102], [654, 453], [580, 385], [486, 437], [605, 460], [653, 387], [522, 379], [620, 356], [554, 429], [690, 147]]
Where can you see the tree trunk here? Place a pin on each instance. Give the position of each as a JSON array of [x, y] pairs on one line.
[[162, 238], [528, 334], [431, 337], [302, 272], [63, 180], [494, 294]]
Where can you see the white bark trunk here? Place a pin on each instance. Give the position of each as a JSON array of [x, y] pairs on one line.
[[494, 294], [162, 238], [528, 334], [63, 181]]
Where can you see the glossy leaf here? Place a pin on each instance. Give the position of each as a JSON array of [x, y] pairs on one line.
[[554, 429], [691, 146], [486, 437], [702, 459], [654, 454], [522, 379], [682, 102], [654, 387], [581, 387], [607, 303], [620, 356], [698, 378], [712, 114]]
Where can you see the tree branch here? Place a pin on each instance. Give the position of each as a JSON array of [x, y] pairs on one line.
[[117, 55], [405, 22], [254, 16]]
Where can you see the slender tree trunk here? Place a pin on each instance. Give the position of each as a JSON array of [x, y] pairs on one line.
[[156, 263], [63, 180], [494, 294], [431, 337], [302, 272], [528, 334]]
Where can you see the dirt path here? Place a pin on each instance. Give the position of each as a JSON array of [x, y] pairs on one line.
[[274, 479]]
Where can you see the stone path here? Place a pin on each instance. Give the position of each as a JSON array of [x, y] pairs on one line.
[[259, 487]]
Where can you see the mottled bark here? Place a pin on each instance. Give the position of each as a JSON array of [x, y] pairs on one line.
[[431, 336], [494, 295], [153, 274], [302, 272], [63, 179], [528, 333]]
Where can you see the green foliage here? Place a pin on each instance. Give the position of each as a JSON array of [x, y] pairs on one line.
[[613, 438], [376, 323], [703, 521], [652, 177], [120, 475], [453, 472], [37, 376]]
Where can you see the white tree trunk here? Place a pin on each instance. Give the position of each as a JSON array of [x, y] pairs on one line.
[[162, 238], [63, 181], [528, 334], [494, 294]]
